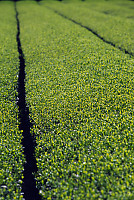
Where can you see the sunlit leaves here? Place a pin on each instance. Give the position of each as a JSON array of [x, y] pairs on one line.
[[112, 20], [11, 162], [80, 92]]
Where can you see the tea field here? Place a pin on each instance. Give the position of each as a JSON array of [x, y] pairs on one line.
[[12, 158], [112, 20], [80, 93]]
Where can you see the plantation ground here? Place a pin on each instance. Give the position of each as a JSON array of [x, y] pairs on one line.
[[80, 95]]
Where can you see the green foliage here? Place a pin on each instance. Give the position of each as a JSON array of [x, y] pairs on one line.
[[80, 92], [11, 163], [114, 20]]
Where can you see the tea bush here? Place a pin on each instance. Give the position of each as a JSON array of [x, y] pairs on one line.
[[12, 159], [80, 92], [112, 20]]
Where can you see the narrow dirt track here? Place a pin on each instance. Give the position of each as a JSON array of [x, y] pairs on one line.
[[29, 190]]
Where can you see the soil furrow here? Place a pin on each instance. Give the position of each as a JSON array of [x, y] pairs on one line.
[[30, 192], [92, 31]]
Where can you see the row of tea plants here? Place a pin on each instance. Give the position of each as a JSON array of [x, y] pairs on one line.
[[112, 20], [12, 159], [80, 92]]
